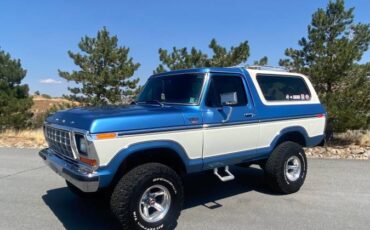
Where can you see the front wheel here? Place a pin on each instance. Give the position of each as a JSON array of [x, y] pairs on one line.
[[149, 196], [286, 168]]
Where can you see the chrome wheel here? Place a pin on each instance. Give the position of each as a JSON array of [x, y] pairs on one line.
[[293, 168], [155, 203]]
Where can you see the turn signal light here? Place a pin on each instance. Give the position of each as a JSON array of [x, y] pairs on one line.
[[102, 136], [88, 161]]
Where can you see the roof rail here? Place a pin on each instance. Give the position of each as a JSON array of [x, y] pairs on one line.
[[266, 67]]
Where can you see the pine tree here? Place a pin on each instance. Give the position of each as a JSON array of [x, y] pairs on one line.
[[328, 55], [105, 71], [263, 61], [15, 101], [351, 108], [183, 59]]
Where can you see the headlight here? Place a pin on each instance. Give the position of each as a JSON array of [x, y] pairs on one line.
[[81, 144]]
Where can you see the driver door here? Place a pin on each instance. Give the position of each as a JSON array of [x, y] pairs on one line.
[[230, 126]]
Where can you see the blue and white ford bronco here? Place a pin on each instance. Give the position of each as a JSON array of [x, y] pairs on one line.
[[184, 122]]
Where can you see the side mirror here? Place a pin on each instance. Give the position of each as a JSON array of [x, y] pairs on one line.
[[228, 99]]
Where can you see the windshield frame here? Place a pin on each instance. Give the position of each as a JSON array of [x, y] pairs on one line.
[[205, 80]]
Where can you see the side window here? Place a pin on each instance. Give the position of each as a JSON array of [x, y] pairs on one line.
[[226, 90], [283, 88]]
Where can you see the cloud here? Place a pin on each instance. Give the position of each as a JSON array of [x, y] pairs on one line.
[[50, 81]]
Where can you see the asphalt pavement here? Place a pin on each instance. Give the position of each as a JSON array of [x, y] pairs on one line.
[[336, 195]]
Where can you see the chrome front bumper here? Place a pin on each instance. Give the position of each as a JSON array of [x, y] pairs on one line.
[[76, 173]]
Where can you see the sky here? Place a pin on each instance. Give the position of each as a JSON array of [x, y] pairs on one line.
[[40, 33]]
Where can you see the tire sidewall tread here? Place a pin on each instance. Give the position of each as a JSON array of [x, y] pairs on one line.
[[128, 191], [275, 168]]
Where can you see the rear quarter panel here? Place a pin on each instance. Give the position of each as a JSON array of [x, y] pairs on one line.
[[276, 116]]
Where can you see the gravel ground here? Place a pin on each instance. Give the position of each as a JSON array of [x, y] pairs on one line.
[[355, 152]]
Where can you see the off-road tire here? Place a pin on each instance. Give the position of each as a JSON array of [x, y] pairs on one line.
[[275, 168], [127, 193]]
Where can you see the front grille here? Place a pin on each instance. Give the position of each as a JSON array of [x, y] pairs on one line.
[[59, 140]]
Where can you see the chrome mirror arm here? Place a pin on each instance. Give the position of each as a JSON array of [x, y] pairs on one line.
[[228, 115]]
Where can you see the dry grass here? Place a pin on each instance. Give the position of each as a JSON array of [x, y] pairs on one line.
[[357, 137], [32, 138], [22, 139], [42, 104]]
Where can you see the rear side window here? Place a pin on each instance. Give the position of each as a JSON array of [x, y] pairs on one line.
[[223, 88], [283, 88]]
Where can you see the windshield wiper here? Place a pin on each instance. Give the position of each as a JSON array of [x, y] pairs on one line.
[[153, 102]]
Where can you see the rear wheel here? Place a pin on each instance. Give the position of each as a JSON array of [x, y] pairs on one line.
[[149, 196], [286, 168]]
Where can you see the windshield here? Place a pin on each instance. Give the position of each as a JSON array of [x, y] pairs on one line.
[[183, 89]]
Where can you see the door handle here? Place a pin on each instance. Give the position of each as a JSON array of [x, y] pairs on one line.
[[249, 114]]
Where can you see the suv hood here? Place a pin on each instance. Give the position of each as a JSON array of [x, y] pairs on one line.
[[118, 118]]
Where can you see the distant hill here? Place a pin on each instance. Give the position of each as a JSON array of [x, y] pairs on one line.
[[42, 104]]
